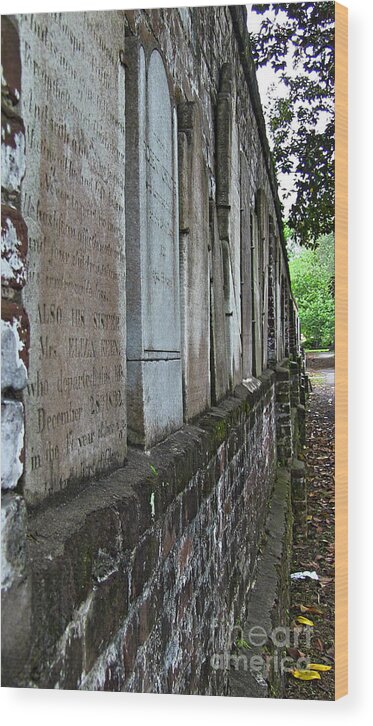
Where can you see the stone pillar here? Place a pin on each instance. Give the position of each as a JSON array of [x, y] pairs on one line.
[[293, 329], [218, 341], [279, 306], [283, 415], [263, 225], [294, 384], [297, 397], [299, 499], [246, 283], [302, 424], [194, 261], [286, 318], [272, 335], [257, 300], [15, 586], [229, 217]]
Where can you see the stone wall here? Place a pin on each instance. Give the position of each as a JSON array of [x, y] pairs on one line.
[[138, 586], [147, 325]]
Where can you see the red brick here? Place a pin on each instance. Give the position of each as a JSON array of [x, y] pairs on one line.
[[11, 59]]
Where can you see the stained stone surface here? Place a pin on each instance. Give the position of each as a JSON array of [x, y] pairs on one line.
[[280, 313], [257, 300], [246, 292], [153, 314], [12, 430], [229, 213], [219, 356], [73, 204], [161, 322], [263, 222], [194, 261], [13, 369], [235, 258]]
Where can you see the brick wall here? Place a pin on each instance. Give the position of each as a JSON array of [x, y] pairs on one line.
[[140, 585]]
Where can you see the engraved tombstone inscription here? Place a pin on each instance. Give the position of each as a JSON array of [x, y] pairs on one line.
[[73, 203]]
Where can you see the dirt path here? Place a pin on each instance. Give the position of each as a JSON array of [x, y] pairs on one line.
[[316, 553]]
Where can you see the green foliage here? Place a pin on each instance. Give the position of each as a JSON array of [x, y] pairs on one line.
[[287, 232], [312, 281], [297, 41]]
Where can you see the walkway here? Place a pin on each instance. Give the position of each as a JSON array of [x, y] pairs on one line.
[[317, 552]]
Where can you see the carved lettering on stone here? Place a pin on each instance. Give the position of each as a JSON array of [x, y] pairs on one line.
[[73, 204]]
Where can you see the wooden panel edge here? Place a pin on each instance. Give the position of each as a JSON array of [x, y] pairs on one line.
[[341, 350]]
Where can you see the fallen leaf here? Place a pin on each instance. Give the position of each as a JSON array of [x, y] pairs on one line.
[[306, 675], [318, 644], [304, 621], [310, 609], [319, 667]]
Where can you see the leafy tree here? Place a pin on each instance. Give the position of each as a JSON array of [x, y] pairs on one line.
[[297, 41], [312, 282]]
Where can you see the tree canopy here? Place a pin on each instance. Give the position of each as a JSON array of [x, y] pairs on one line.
[[297, 41], [312, 283]]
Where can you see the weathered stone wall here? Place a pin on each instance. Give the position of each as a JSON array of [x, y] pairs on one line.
[[159, 300], [73, 201], [138, 586], [15, 581]]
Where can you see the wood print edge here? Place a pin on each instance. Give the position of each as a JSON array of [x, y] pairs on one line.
[[341, 350]]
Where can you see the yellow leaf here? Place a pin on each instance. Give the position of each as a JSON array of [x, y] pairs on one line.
[[304, 621], [319, 667], [306, 675]]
